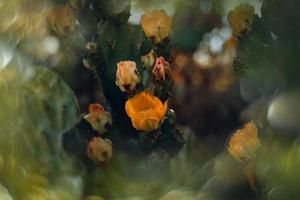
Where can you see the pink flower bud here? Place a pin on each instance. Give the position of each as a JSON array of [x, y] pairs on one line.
[[99, 119], [161, 70]]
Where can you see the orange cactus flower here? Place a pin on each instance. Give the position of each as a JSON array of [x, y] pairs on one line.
[[244, 142], [98, 117], [157, 25], [241, 18], [146, 111]]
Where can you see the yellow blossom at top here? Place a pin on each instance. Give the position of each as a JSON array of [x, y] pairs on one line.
[[241, 18], [157, 25], [146, 111], [244, 142]]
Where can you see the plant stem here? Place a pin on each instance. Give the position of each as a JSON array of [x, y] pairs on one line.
[[94, 73]]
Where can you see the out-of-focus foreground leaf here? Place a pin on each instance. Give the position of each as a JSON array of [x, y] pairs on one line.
[[37, 107]]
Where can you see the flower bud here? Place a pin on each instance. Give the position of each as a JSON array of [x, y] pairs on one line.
[[91, 47], [99, 150], [148, 60], [99, 119], [127, 76], [161, 70], [241, 18], [157, 25], [244, 142]]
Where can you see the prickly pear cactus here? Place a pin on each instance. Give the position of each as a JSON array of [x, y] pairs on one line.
[[37, 108], [129, 62]]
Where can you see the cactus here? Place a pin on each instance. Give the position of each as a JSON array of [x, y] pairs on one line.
[[37, 108], [111, 39]]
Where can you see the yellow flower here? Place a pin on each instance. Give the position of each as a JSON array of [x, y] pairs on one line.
[[146, 111], [127, 76], [99, 119], [244, 142], [241, 18], [61, 20], [157, 25], [99, 150], [161, 69]]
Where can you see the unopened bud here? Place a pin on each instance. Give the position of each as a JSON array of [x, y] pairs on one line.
[[99, 150], [127, 76], [99, 119], [148, 60], [162, 69]]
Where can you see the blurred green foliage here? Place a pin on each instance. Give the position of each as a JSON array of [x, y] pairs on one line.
[[32, 121]]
